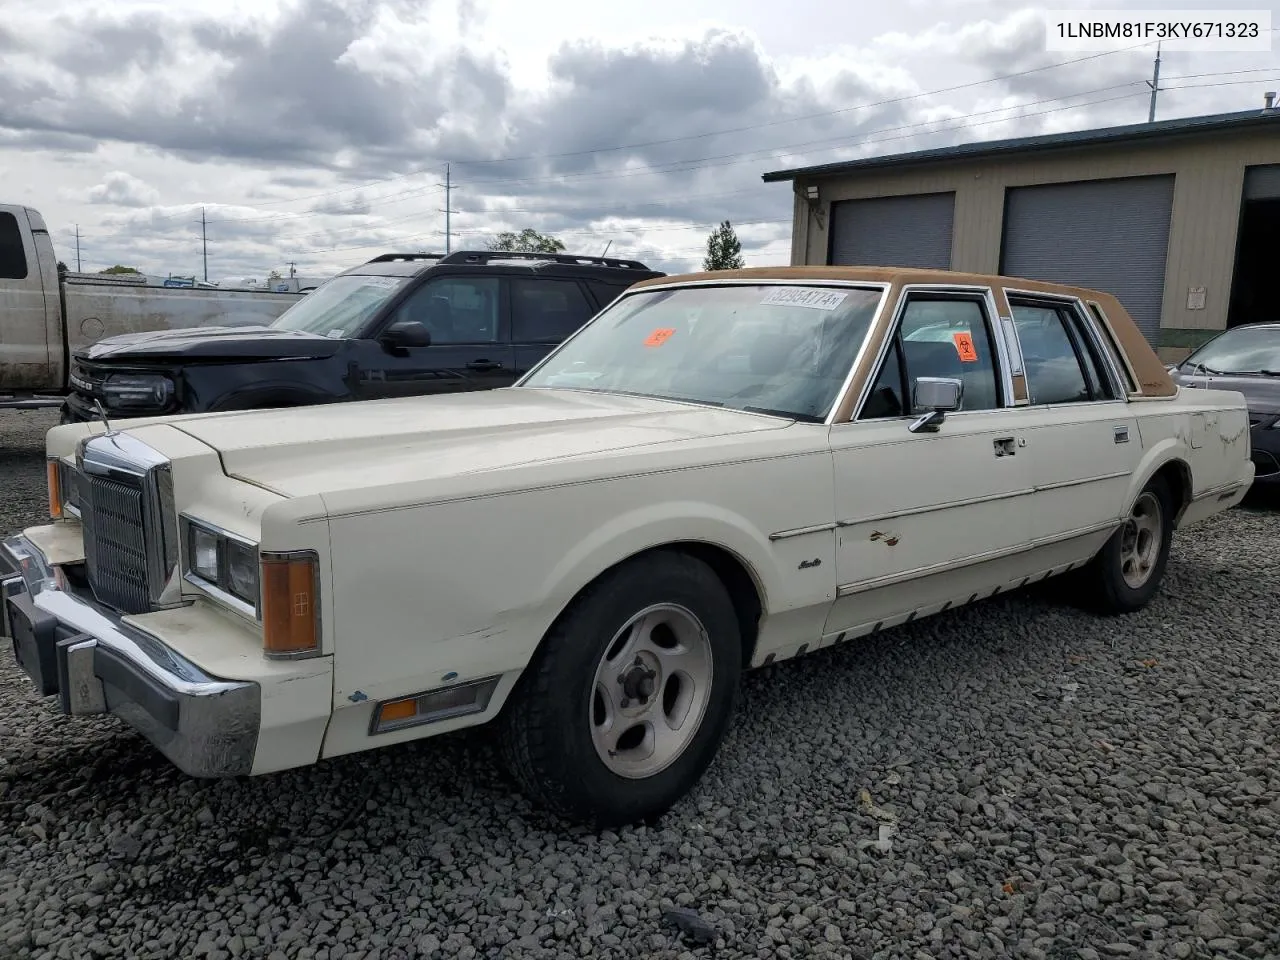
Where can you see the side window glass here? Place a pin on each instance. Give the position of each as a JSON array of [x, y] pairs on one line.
[[547, 311], [1095, 366], [1054, 373], [13, 259], [947, 337], [605, 293], [886, 399], [455, 309]]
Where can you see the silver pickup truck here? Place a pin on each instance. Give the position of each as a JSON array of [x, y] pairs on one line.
[[47, 313]]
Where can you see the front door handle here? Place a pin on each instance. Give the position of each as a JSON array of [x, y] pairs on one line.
[[1004, 447], [484, 365]]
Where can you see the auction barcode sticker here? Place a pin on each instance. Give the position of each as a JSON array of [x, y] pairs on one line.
[[815, 297], [1215, 31]]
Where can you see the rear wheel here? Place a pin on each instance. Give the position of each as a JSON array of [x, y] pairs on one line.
[[626, 702], [1127, 571]]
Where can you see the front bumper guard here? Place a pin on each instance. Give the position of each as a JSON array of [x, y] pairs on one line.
[[74, 648]]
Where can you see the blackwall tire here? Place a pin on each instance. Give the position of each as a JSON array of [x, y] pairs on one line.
[[1128, 570], [625, 704]]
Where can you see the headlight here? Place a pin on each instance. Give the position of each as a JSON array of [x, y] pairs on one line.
[[222, 561], [128, 390]]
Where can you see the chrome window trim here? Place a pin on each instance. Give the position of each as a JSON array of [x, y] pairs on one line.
[[251, 611], [871, 285], [960, 292], [1077, 306]]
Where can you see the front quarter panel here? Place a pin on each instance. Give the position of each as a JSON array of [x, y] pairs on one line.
[[465, 589]]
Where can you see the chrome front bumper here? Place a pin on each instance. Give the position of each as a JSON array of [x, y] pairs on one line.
[[73, 647]]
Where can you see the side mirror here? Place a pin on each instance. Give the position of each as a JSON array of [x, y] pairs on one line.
[[940, 396], [406, 333]]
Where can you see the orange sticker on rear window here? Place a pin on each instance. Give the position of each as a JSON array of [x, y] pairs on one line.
[[964, 347], [659, 336]]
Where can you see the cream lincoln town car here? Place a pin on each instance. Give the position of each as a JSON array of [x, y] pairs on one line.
[[719, 471]]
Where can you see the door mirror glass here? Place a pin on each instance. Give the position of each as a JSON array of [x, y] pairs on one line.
[[406, 333], [938, 395]]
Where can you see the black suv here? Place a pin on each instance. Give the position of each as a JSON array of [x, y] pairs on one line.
[[402, 324]]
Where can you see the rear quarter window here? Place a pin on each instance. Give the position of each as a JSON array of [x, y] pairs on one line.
[[13, 258]]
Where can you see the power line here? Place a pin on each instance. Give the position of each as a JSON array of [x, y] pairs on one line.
[[722, 132], [939, 126], [698, 162]]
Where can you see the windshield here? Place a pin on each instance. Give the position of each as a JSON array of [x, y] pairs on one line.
[[778, 349], [1242, 350], [339, 307]]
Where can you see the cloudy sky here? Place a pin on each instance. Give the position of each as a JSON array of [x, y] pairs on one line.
[[317, 131]]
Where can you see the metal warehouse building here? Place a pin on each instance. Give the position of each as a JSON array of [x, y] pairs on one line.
[[1179, 219]]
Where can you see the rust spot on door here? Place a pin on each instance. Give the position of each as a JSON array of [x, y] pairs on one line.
[[890, 540]]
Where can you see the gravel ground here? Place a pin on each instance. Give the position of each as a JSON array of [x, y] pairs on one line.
[[1047, 785]]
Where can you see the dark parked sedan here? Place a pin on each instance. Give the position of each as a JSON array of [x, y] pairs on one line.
[[1247, 359]]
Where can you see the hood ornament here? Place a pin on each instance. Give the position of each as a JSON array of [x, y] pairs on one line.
[[102, 415]]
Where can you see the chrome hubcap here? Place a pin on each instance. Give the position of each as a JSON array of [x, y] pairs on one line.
[[1140, 541], [650, 691]]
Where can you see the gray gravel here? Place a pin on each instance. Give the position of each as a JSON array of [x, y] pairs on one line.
[[1039, 784]]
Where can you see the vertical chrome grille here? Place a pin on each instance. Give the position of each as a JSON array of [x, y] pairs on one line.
[[124, 493], [115, 543]]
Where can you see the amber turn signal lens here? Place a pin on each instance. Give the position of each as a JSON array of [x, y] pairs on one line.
[[290, 605], [55, 489]]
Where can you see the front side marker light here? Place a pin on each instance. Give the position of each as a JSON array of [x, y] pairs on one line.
[[290, 604], [432, 706], [54, 475]]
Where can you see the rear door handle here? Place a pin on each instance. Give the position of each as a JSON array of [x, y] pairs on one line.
[[483, 365], [1004, 447]]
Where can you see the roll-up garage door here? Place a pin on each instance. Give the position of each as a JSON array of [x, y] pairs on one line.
[[909, 231], [1262, 183], [1111, 235]]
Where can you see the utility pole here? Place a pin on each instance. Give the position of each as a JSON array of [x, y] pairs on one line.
[[1154, 84], [448, 189], [204, 243], [293, 269], [78, 248]]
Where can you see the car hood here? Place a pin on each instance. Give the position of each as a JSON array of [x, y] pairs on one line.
[[211, 343], [363, 445], [1261, 394]]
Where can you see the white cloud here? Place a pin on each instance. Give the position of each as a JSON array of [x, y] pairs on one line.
[[318, 130]]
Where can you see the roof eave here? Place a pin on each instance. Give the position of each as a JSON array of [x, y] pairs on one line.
[[968, 152]]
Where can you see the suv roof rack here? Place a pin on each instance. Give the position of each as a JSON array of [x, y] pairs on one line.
[[391, 257], [572, 259]]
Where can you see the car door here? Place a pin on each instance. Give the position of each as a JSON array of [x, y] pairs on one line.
[[1081, 431], [544, 312], [24, 322], [930, 519], [470, 347]]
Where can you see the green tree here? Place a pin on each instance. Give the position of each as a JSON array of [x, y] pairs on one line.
[[273, 276], [527, 240], [120, 269], [724, 252]]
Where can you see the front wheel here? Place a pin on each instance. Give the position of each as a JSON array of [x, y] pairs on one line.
[[1127, 571], [626, 702]]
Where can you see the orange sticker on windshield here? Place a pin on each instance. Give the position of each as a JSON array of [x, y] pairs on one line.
[[659, 336], [964, 347]]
